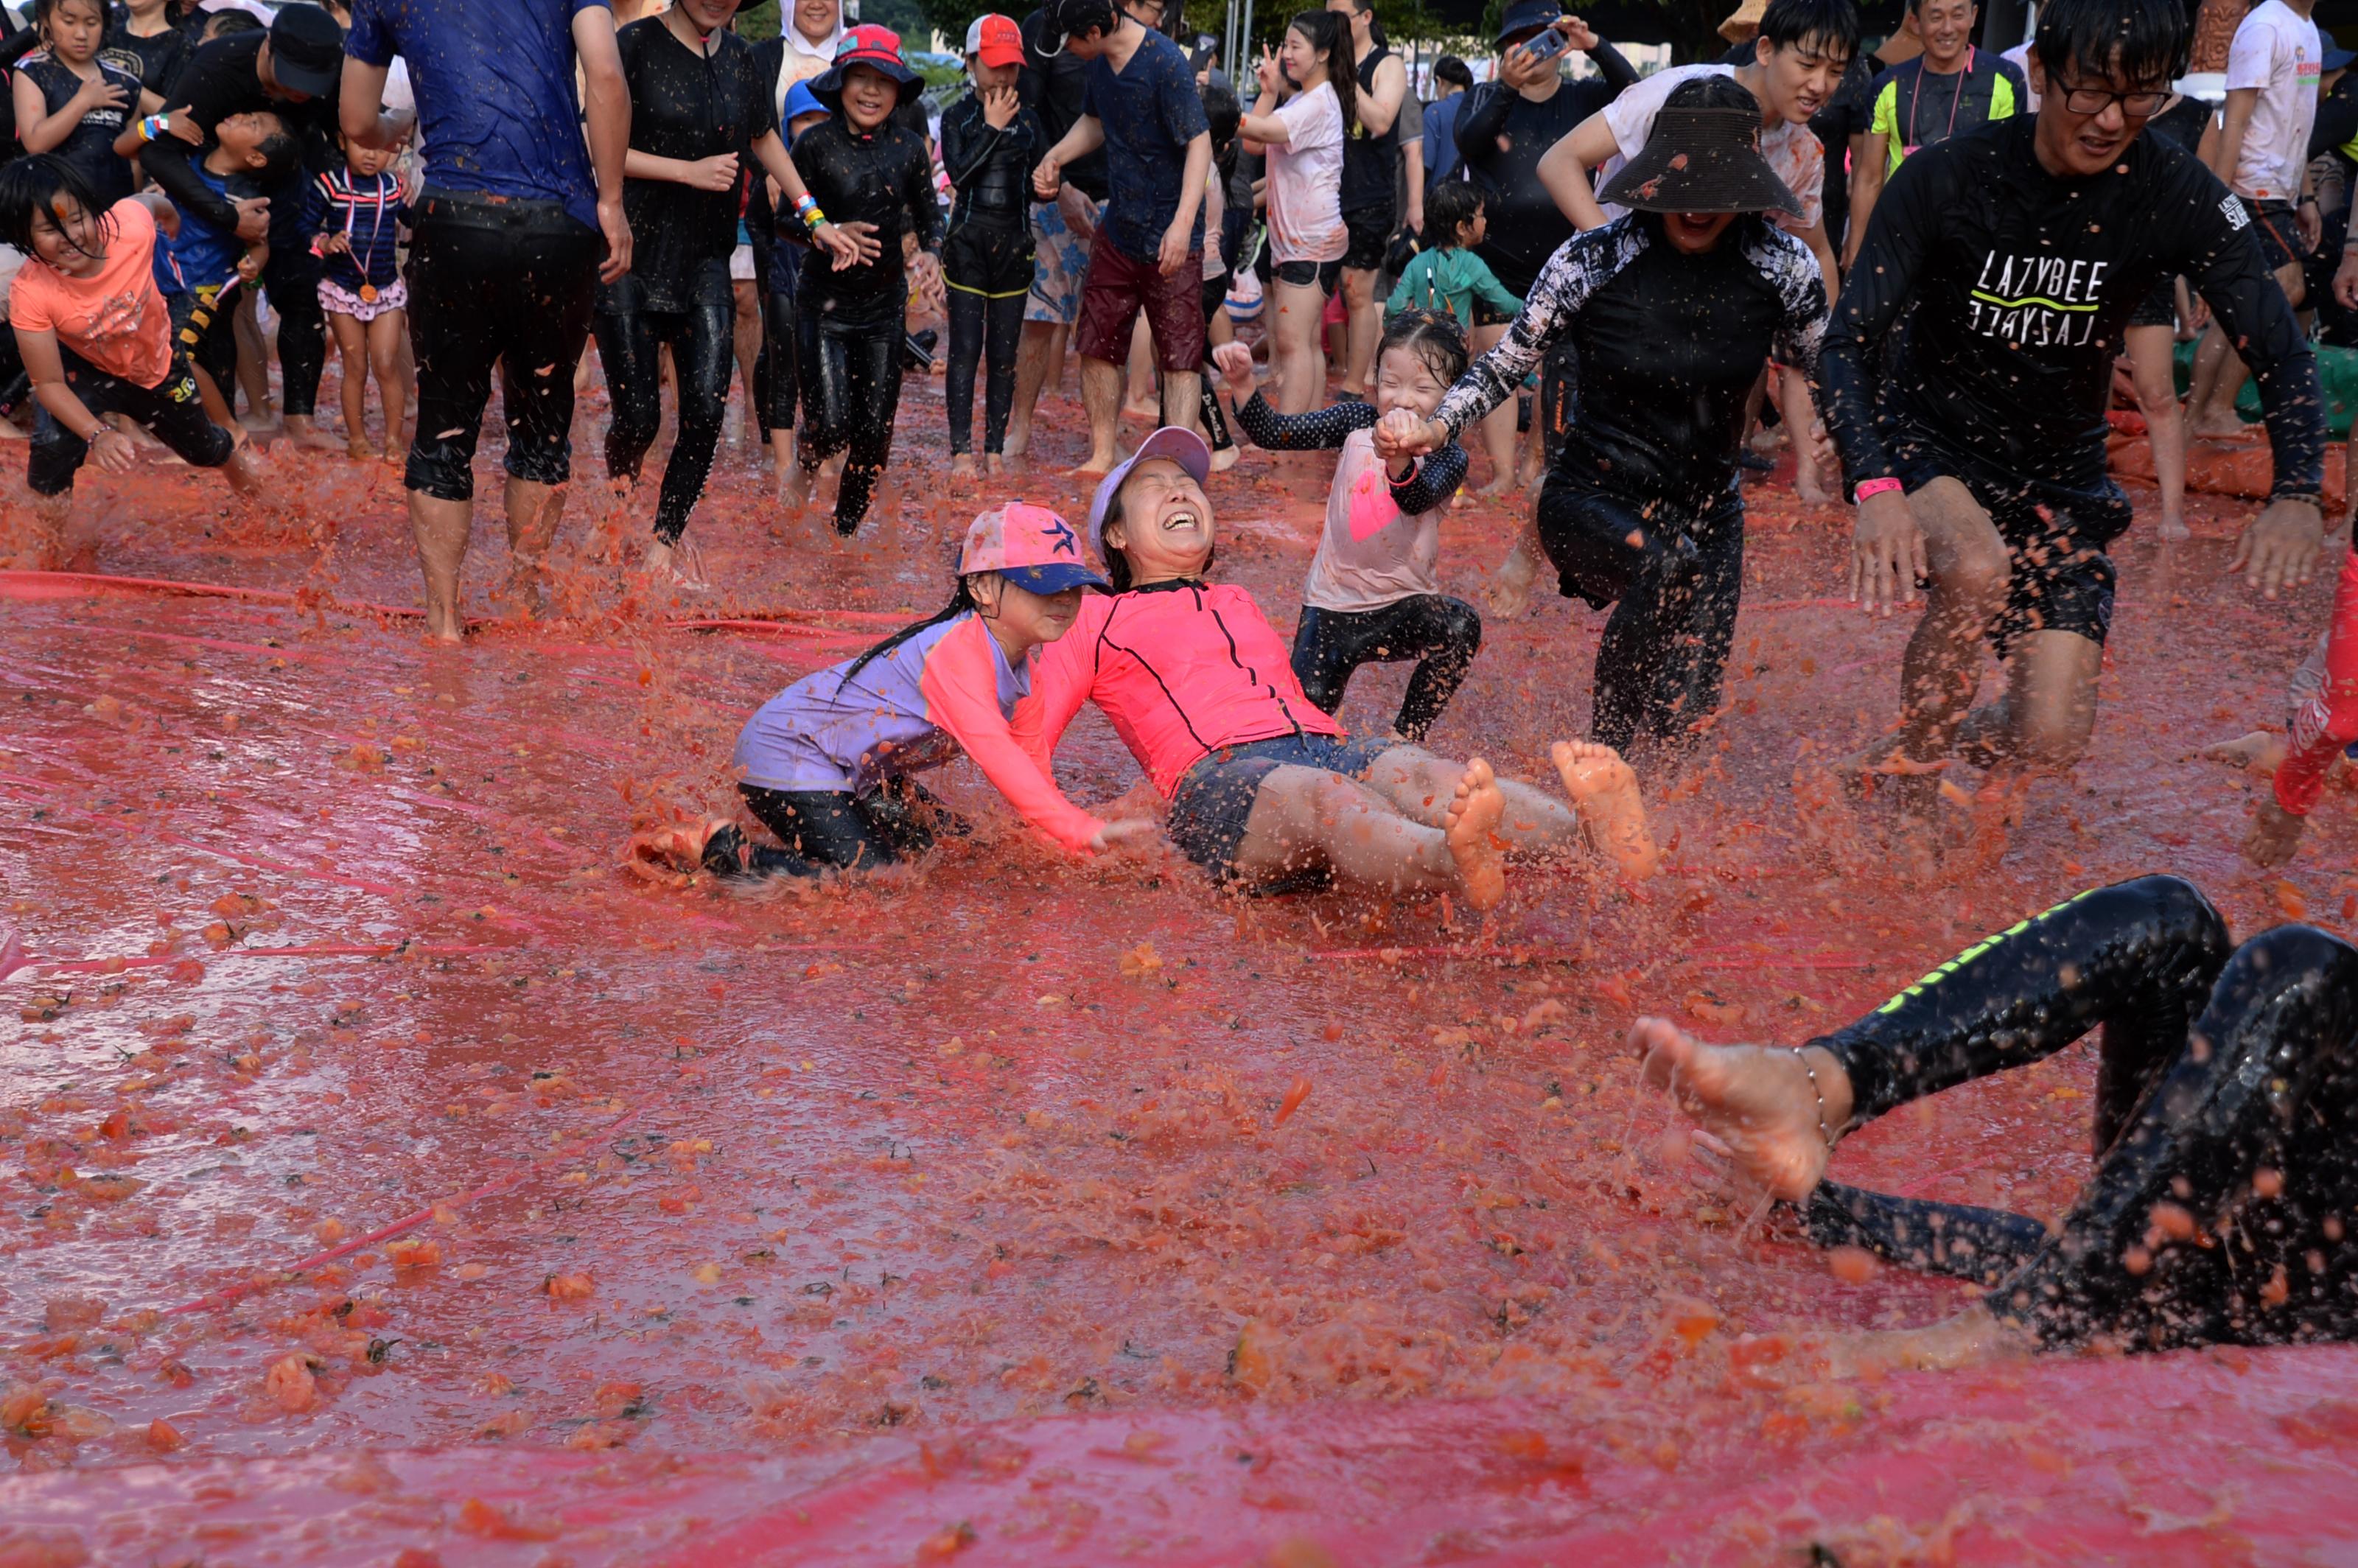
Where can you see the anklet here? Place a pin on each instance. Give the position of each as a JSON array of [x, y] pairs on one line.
[[1823, 1131]]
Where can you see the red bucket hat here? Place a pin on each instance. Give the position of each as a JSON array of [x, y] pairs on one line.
[[877, 48]]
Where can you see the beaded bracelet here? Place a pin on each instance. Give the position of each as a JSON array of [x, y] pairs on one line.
[[154, 125]]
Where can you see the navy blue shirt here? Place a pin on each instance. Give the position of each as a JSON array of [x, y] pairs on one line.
[[1150, 111], [496, 100]]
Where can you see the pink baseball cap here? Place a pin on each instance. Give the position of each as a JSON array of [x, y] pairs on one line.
[[1029, 546], [996, 39], [1181, 446]]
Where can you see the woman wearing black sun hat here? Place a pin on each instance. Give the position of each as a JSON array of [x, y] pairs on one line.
[[1674, 310]]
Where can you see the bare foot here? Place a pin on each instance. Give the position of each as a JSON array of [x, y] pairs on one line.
[[1499, 487], [1226, 458], [680, 565], [2262, 751], [673, 846], [794, 490], [303, 432], [993, 464], [1099, 464], [2275, 834], [2174, 530], [962, 465], [1509, 593], [1604, 791], [2216, 427], [1472, 829], [1013, 462], [360, 449], [1757, 1101]]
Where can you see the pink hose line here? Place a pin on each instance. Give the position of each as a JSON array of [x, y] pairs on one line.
[[508, 1182], [31, 586]]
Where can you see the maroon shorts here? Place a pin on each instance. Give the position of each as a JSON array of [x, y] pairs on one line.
[[1115, 290]]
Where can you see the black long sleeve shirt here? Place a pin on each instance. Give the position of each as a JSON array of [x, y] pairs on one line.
[[2016, 286], [1669, 344], [990, 168], [1501, 136]]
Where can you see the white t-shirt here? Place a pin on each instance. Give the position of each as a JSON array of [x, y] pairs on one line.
[[2276, 50], [1793, 151], [1305, 181]]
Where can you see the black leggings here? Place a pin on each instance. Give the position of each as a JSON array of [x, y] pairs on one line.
[[291, 279], [982, 324], [851, 389], [1674, 591], [2227, 1122], [703, 350], [827, 831], [775, 372], [1441, 635]]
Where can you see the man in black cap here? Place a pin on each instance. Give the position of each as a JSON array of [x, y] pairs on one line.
[[1507, 125], [292, 70]]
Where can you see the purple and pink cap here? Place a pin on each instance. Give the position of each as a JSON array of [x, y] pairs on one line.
[[1029, 546]]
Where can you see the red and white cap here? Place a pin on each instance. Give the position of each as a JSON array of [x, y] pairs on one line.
[[1031, 546], [996, 39]]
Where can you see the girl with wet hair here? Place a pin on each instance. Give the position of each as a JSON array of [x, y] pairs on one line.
[[97, 339], [1373, 595]]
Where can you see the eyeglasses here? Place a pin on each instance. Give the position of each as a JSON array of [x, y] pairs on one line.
[[2094, 101]]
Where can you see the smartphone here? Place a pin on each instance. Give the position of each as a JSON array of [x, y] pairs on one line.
[[1547, 45]]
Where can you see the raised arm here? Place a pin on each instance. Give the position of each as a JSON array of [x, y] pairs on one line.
[[1563, 169], [1322, 429]]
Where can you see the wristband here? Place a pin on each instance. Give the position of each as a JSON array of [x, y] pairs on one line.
[[153, 127], [1869, 489]]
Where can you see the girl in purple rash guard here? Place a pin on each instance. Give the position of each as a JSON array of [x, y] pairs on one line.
[[825, 763]]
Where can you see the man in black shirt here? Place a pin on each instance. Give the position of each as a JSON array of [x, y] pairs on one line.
[[291, 70], [1507, 125], [1054, 87], [2018, 253]]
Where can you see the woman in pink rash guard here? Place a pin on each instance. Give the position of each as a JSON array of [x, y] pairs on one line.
[[2325, 722], [827, 763], [1265, 790]]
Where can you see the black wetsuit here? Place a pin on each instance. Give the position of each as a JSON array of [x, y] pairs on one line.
[[1642, 506], [2224, 1207], [985, 261], [2016, 287], [1441, 634], [220, 80], [848, 323], [686, 105]]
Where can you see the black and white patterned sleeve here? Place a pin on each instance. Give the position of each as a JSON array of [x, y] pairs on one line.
[[1433, 481], [1581, 265], [1322, 430], [1792, 269]]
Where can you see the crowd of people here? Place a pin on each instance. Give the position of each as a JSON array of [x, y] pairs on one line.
[[1925, 272]]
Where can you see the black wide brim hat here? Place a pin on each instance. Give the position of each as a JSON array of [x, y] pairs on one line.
[[1702, 160]]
